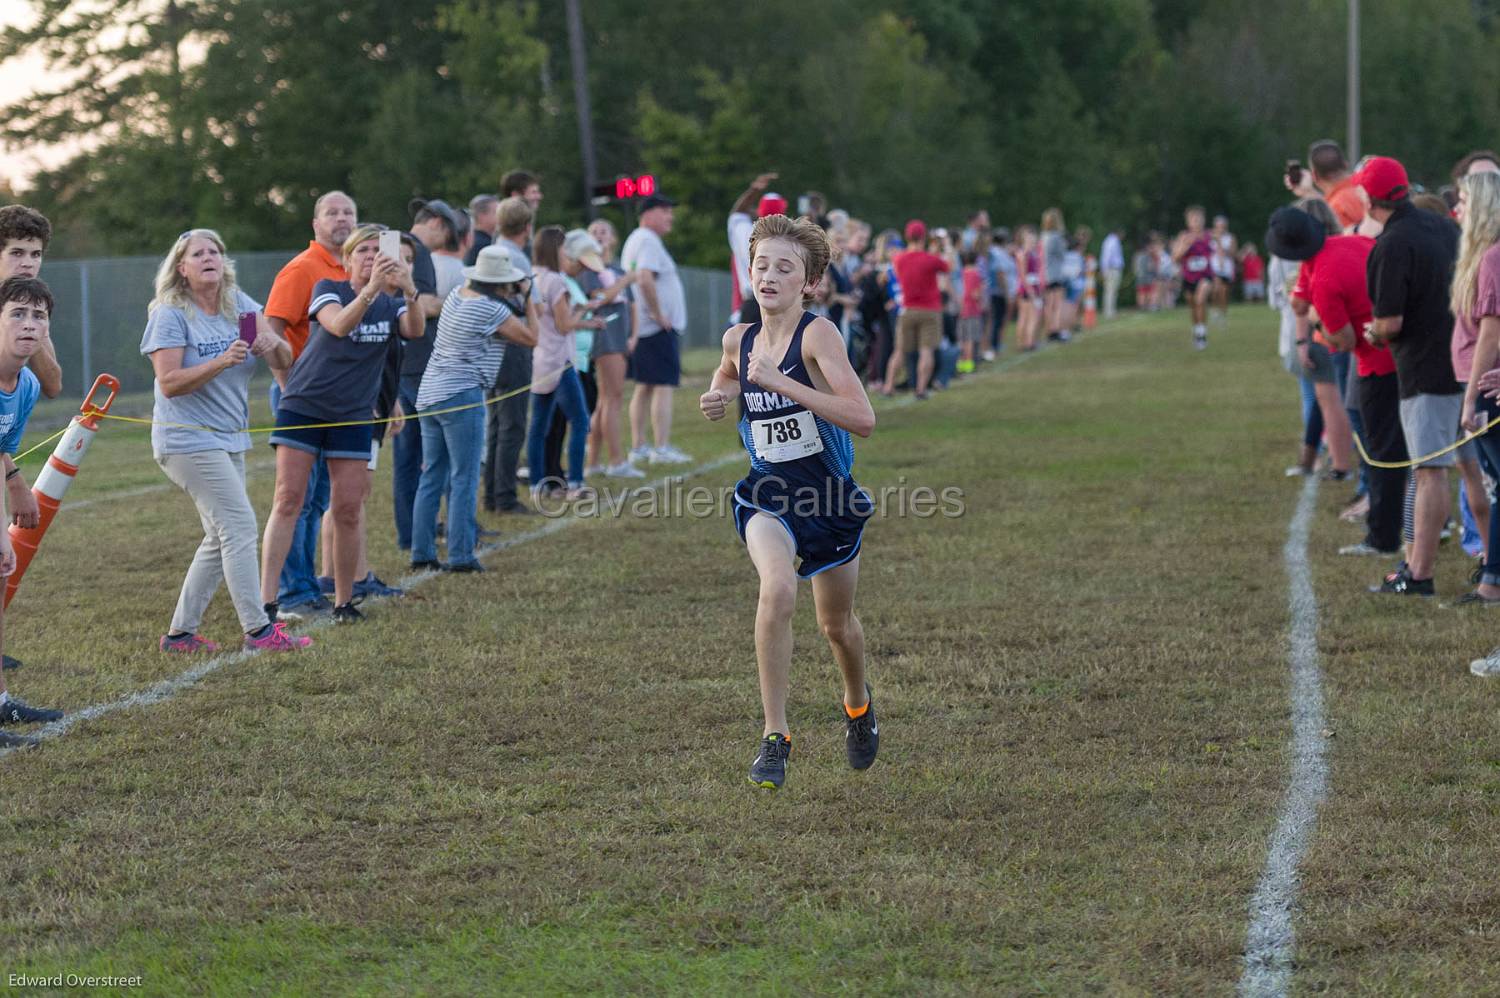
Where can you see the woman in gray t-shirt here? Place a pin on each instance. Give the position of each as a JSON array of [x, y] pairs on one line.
[[203, 360]]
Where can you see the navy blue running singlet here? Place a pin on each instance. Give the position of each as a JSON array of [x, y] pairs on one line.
[[800, 466]]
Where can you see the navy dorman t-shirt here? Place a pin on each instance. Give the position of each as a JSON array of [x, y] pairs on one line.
[[338, 377]]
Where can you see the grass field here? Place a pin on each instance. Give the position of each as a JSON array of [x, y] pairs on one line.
[[534, 781]]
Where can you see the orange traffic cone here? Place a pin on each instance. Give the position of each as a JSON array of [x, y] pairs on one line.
[[1090, 293], [52, 484]]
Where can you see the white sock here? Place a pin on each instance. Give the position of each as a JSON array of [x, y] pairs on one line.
[[1200, 330]]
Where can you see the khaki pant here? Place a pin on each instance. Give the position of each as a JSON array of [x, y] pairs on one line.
[[1111, 292], [918, 329], [215, 480]]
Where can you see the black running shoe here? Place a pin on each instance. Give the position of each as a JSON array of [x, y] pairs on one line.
[[769, 768], [464, 567], [8, 741], [14, 711], [345, 613], [862, 735], [1400, 583], [428, 565], [10, 663]]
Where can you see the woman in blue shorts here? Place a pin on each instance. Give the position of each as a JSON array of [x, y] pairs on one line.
[[336, 380], [799, 511]]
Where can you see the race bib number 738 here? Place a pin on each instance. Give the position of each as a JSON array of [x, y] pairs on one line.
[[787, 438]]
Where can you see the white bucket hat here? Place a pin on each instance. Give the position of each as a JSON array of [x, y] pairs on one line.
[[496, 265]]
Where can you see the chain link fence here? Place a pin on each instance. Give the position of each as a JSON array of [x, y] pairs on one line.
[[101, 312]]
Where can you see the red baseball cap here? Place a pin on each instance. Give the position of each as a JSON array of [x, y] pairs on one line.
[[771, 204], [1383, 179], [916, 231]]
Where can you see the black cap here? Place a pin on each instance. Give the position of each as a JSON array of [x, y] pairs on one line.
[[458, 226], [1294, 234], [657, 201]]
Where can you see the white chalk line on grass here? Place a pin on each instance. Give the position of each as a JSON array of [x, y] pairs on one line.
[[168, 688], [1271, 937]]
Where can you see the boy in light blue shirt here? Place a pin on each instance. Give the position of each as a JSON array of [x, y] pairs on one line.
[[25, 317]]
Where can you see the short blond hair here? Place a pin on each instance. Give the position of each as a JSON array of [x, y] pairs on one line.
[[515, 215], [809, 238], [361, 234]]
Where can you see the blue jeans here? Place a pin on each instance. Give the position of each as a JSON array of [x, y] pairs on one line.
[[1343, 360], [1312, 416], [569, 397], [1489, 453], [299, 577], [452, 445], [406, 451]]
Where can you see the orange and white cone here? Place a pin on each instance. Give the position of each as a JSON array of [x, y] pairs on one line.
[[52, 484]]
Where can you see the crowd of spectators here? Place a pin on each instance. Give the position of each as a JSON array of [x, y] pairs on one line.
[[1390, 303]]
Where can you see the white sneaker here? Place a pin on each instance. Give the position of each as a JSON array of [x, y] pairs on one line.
[[1487, 666], [988, 356], [1363, 550], [624, 470], [670, 455], [523, 473], [638, 455], [592, 470]]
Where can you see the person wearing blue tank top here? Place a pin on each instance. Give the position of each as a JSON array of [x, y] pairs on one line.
[[799, 510]]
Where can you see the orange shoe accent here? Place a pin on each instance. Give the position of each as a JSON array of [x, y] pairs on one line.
[[854, 712]]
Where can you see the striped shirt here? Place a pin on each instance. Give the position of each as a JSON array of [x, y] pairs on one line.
[[466, 353]]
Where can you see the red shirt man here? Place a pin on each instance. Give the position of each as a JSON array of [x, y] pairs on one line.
[[1337, 289], [919, 329], [918, 271]]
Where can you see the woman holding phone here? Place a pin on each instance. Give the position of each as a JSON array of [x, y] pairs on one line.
[[329, 402], [204, 335], [555, 382]]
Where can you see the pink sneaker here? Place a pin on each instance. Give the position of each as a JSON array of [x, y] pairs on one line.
[[186, 645], [278, 640]]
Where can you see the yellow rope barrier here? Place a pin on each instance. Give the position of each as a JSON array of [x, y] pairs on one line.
[[1394, 465], [141, 421]]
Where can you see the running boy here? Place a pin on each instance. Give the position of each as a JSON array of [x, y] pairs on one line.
[[25, 315], [799, 401], [1193, 252]]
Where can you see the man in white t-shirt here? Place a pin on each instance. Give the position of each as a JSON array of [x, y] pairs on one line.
[[655, 347], [740, 224]]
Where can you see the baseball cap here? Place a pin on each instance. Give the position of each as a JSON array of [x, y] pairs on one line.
[[442, 209], [1383, 178], [585, 249], [771, 204], [657, 201], [916, 230]]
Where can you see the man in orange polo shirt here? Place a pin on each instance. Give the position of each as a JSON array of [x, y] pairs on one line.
[[1333, 179], [334, 218]]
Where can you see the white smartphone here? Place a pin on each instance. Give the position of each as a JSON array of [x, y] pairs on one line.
[[390, 244]]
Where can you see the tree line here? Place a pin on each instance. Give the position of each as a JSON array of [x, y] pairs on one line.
[[235, 114]]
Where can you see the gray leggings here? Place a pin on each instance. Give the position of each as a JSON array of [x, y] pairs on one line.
[[215, 480]]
